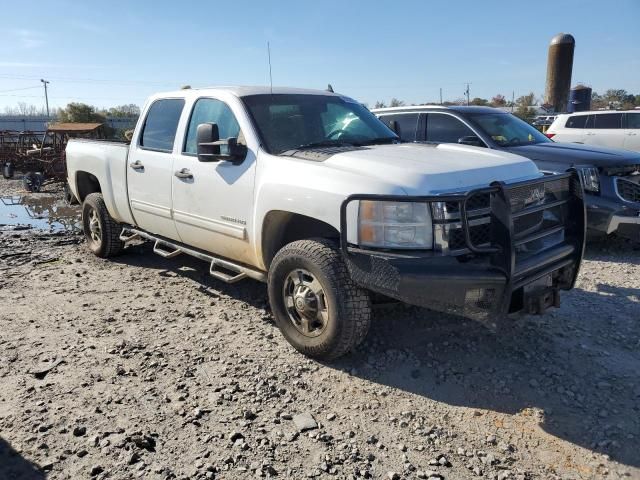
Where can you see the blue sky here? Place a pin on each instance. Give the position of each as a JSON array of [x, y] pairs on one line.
[[123, 51]]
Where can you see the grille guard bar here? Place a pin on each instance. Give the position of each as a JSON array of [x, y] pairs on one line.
[[502, 249]]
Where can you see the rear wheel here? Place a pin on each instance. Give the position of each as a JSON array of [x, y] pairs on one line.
[[100, 230], [316, 304]]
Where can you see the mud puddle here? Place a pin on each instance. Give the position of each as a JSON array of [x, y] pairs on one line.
[[38, 212]]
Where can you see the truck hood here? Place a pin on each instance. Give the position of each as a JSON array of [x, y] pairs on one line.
[[570, 154], [425, 169]]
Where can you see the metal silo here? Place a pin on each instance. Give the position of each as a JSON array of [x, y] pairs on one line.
[[559, 66], [579, 99]]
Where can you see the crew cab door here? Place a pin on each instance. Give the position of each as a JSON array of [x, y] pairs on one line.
[[150, 168], [405, 124], [632, 132], [212, 200]]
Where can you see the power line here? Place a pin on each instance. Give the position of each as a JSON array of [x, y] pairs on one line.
[[91, 80], [18, 89]]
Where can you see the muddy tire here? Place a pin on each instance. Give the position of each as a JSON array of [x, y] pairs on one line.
[[8, 170], [100, 230], [316, 304], [32, 181]]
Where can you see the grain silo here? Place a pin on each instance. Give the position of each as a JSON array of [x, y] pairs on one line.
[[559, 67]]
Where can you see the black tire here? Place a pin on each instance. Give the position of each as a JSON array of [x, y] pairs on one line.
[[348, 307], [32, 181], [100, 230], [7, 170]]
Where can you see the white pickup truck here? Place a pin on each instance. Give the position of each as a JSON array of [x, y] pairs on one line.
[[308, 191]]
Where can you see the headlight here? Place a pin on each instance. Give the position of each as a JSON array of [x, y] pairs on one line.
[[590, 179], [394, 225]]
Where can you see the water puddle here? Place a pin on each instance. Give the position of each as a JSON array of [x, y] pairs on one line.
[[38, 212]]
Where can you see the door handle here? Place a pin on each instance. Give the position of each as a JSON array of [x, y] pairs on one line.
[[137, 165], [184, 173]]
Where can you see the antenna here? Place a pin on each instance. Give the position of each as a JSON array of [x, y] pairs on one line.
[[270, 77]]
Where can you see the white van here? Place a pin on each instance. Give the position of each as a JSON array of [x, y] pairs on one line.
[[620, 129]]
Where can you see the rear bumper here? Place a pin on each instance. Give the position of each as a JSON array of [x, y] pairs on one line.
[[480, 282]]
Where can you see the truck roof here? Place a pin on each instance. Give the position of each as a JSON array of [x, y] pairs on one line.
[[243, 91]]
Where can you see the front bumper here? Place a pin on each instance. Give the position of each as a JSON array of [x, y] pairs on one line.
[[606, 216], [503, 275]]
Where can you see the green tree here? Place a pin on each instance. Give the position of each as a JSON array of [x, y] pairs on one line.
[[396, 103], [480, 102], [80, 112], [498, 101], [379, 104], [523, 107], [130, 110]]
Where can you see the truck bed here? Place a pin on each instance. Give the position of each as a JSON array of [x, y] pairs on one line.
[[106, 160]]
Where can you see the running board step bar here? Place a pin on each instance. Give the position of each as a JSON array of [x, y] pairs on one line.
[[219, 268]]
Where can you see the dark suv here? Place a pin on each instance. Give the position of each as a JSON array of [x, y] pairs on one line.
[[611, 177]]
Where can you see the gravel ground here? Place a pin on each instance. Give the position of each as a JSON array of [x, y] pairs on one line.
[[142, 367]]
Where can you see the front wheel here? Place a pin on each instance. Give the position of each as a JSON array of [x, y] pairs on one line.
[[100, 230], [316, 304]]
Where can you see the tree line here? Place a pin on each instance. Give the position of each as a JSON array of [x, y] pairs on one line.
[[521, 106], [74, 112]]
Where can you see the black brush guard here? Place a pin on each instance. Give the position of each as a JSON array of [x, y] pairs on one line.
[[518, 268]]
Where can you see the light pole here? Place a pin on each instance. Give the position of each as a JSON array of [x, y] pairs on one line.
[[46, 96]]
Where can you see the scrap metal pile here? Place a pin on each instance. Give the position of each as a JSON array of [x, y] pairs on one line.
[[40, 156]]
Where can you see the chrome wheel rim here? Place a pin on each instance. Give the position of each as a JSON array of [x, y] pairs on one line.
[[305, 303], [95, 231]]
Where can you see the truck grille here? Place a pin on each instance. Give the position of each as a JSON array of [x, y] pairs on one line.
[[538, 210], [628, 190]]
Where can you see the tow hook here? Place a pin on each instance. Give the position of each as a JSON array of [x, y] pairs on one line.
[[538, 302]]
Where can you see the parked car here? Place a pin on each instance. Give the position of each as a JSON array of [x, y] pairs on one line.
[[618, 129], [543, 120], [308, 191], [611, 177]]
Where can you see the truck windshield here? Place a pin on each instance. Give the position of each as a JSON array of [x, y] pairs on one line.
[[297, 121], [508, 130]]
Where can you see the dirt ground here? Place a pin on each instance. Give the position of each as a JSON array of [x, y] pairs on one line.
[[143, 367]]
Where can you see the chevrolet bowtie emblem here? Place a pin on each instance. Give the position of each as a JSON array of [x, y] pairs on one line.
[[536, 195]]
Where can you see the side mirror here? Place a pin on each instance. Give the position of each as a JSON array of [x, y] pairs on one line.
[[471, 140], [209, 143]]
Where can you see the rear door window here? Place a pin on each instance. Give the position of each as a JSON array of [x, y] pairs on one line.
[[633, 120], [577, 121], [608, 120], [406, 125], [159, 130], [443, 128]]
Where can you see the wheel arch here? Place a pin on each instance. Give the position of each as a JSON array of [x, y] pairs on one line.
[[86, 183], [280, 228]]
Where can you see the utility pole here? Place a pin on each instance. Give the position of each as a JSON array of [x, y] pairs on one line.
[[513, 99], [466, 93], [440, 95], [46, 96]]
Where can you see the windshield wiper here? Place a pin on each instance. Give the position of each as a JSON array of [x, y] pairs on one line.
[[323, 143], [377, 141]]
